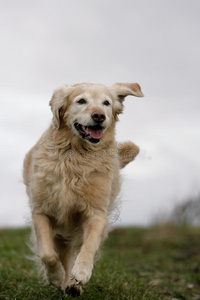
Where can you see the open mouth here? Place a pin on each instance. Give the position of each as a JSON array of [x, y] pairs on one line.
[[91, 133]]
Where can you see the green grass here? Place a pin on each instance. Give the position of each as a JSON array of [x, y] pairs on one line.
[[162, 262]]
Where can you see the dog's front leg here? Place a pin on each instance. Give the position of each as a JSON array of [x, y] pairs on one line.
[[53, 267], [94, 230]]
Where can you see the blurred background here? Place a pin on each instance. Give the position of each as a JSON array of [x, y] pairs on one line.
[[45, 44]]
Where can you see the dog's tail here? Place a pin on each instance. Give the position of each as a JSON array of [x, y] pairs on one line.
[[127, 151]]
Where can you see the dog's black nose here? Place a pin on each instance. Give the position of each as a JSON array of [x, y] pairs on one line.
[[98, 116]]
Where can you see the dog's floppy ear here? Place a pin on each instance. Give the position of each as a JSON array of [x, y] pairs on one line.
[[58, 104], [121, 90]]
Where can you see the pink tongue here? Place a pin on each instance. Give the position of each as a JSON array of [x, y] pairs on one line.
[[95, 134]]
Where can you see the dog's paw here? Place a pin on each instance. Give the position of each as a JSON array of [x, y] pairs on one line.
[[82, 272], [54, 271], [56, 279], [73, 288]]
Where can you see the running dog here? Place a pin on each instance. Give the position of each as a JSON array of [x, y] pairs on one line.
[[72, 179]]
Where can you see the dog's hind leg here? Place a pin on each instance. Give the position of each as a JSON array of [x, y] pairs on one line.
[[52, 265], [66, 253]]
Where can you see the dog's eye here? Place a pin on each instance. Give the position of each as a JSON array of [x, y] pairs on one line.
[[107, 103], [81, 101]]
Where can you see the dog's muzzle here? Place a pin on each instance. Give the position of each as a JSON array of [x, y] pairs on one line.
[[92, 134]]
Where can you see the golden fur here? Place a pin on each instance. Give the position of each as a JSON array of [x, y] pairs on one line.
[[73, 181]]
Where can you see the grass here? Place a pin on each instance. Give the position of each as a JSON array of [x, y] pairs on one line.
[[162, 262]]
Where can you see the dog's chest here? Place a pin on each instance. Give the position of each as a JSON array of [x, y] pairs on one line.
[[76, 184]]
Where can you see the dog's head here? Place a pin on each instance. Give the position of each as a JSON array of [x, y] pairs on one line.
[[88, 109]]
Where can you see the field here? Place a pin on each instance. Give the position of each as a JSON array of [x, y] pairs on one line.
[[162, 262]]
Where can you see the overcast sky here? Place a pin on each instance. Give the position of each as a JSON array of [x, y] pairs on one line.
[[45, 44]]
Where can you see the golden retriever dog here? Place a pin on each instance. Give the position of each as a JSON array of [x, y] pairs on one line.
[[72, 179]]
